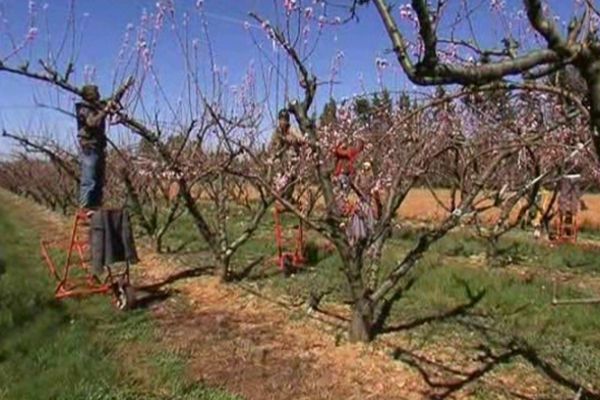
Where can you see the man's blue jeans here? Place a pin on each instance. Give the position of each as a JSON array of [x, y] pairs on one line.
[[92, 163]]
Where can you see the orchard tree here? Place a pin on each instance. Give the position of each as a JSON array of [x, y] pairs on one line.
[[194, 137], [402, 145], [432, 56]]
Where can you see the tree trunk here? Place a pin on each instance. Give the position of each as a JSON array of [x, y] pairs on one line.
[[225, 262], [374, 263], [491, 251], [158, 243], [361, 326]]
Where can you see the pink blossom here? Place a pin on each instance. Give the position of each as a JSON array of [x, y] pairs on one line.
[[31, 34], [289, 5], [31, 7], [163, 7], [407, 13], [381, 63], [322, 21], [497, 5], [145, 53], [308, 12], [306, 31]]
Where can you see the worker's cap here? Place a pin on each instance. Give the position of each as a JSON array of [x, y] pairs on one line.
[[284, 114], [90, 92], [366, 165]]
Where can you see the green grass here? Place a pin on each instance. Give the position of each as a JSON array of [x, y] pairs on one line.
[[517, 246], [76, 349], [439, 306], [511, 308]]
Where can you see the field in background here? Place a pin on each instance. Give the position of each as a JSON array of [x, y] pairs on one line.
[[421, 205]]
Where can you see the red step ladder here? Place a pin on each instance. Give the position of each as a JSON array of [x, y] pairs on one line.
[[74, 278], [288, 261], [566, 227]]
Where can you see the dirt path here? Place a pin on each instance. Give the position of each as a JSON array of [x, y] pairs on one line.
[[257, 349], [260, 350], [247, 345]]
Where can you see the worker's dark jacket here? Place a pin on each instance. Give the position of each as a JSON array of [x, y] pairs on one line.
[[286, 145], [91, 134], [111, 239]]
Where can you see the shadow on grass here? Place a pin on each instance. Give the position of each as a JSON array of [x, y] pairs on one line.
[[150, 298], [444, 380], [386, 308], [460, 310], [271, 270], [180, 248], [497, 348], [247, 270], [188, 273], [315, 254], [154, 293]]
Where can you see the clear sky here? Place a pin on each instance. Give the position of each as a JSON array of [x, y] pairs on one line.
[[105, 22]]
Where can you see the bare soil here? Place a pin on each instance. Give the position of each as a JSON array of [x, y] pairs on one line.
[[252, 346], [422, 205]]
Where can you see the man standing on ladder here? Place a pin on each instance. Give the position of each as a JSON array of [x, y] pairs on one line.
[[285, 148], [285, 158], [539, 211], [91, 132]]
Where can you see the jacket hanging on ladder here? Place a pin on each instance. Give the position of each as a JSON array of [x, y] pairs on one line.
[[111, 239]]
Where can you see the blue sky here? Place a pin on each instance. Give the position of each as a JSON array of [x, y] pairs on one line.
[[107, 20]]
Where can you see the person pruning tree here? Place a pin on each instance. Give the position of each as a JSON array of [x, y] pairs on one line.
[[284, 150], [91, 132]]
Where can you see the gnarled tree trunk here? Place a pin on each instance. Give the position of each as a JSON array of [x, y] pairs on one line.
[[361, 326]]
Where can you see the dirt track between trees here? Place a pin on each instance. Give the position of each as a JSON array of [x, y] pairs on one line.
[[263, 351], [258, 349]]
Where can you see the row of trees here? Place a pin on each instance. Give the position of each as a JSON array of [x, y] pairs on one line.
[[492, 144]]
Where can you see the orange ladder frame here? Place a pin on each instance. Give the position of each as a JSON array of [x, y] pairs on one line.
[[70, 286], [566, 232], [287, 259]]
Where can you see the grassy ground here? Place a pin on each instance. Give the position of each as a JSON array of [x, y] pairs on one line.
[[455, 301], [75, 349], [454, 305]]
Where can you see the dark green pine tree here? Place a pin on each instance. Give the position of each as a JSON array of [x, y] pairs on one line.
[[328, 116], [404, 102], [363, 109]]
